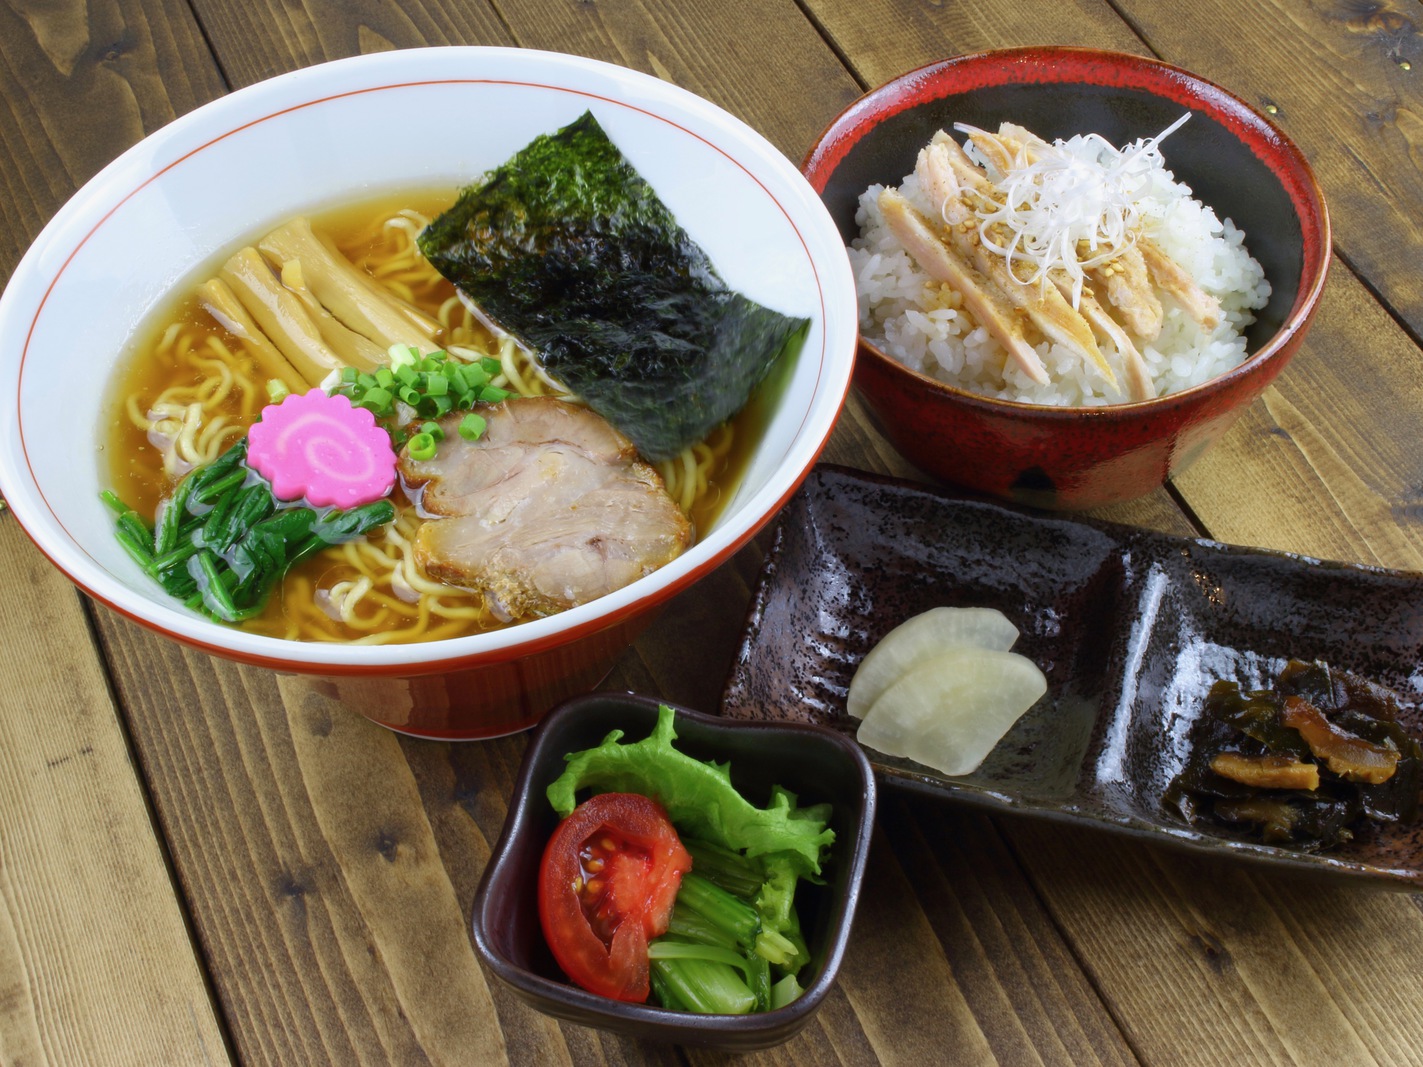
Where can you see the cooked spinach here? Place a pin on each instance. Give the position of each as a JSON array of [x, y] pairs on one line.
[[223, 540], [568, 248]]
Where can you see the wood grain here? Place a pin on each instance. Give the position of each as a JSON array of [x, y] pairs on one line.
[[96, 962], [1207, 961], [1316, 436], [264, 38], [762, 62], [1341, 78], [96, 965], [331, 866], [80, 84], [881, 39]]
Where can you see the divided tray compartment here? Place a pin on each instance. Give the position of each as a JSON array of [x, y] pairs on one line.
[[1131, 628]]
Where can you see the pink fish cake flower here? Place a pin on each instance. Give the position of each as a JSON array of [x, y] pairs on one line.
[[320, 448]]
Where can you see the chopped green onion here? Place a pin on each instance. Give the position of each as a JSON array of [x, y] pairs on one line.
[[432, 385], [473, 375], [434, 429], [377, 399], [277, 390], [472, 426], [421, 447]]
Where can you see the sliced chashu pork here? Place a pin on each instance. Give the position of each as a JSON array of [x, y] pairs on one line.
[[549, 509]]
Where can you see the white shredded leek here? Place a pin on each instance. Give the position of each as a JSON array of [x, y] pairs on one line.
[[1065, 207]]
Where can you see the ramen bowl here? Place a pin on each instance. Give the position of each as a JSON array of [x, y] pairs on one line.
[[1233, 159], [162, 215]]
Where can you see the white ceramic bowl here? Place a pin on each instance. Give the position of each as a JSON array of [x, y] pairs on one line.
[[183, 198]]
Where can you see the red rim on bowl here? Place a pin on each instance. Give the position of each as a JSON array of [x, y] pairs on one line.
[[881, 126], [322, 104]]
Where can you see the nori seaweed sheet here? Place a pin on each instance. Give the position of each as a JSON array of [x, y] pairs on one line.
[[568, 248]]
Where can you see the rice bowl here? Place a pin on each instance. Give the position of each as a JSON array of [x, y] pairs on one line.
[[925, 325], [1233, 158]]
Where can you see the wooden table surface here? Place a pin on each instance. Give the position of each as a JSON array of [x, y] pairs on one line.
[[189, 873]]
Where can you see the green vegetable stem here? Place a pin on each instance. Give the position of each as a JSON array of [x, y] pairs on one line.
[[222, 540], [734, 941]]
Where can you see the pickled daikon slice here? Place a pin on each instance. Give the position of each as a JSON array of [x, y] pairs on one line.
[[916, 641], [943, 688]]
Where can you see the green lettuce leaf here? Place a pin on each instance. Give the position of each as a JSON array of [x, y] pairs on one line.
[[699, 798]]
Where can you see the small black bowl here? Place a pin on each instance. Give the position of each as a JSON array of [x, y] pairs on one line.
[[817, 764]]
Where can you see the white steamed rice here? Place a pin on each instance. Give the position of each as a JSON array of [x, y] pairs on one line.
[[922, 323]]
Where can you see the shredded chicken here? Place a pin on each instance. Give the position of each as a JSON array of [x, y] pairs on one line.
[[1172, 278], [1107, 290], [953, 181], [982, 298]]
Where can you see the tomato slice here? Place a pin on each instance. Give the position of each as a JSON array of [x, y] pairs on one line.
[[609, 876]]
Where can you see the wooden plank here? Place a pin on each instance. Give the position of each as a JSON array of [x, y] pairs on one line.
[[322, 896], [1316, 436], [882, 39], [1217, 962], [1342, 80], [96, 961], [763, 62], [80, 86], [96, 964], [1021, 987], [264, 38]]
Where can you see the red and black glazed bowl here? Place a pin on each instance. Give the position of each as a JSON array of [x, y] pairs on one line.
[[1233, 159]]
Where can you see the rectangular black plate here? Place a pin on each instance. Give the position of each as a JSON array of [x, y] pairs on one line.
[[1131, 628]]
